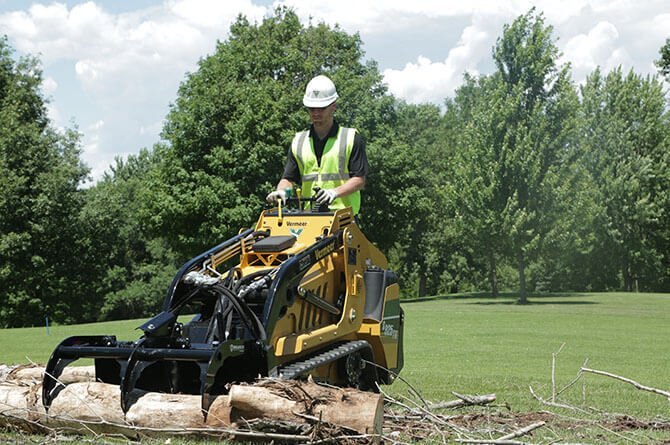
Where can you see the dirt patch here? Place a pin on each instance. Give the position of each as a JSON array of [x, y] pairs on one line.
[[628, 423]]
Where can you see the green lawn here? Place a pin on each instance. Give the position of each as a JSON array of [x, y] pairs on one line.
[[480, 345], [474, 345]]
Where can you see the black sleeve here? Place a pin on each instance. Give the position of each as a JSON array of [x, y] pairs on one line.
[[358, 162], [291, 170]]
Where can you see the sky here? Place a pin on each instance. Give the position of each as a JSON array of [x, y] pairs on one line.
[[112, 68]]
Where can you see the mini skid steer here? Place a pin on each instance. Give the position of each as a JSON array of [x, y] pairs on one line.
[[302, 293]]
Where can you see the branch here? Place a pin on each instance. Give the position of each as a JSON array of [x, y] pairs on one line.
[[553, 372], [522, 431], [554, 404], [490, 442], [464, 400], [632, 382]]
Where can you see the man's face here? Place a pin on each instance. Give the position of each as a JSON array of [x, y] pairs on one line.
[[321, 115]]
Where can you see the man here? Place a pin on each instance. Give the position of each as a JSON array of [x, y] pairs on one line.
[[327, 156]]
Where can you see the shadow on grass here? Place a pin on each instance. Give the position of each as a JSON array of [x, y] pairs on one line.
[[532, 302], [509, 298]]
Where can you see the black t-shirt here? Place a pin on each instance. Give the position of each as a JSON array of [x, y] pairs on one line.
[[358, 161]]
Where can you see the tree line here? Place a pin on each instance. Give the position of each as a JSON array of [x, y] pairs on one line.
[[522, 181]]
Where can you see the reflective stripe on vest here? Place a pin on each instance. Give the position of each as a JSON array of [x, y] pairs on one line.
[[334, 168]]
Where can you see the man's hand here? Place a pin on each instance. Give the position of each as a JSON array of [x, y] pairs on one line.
[[326, 196], [275, 196]]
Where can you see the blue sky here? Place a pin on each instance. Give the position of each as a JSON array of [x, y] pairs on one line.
[[112, 68]]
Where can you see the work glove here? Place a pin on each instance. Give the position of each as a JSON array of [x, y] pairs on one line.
[[326, 196], [275, 196]]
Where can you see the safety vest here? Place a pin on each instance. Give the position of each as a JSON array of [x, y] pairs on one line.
[[334, 168]]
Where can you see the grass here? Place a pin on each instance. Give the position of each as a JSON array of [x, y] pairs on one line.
[[475, 345]]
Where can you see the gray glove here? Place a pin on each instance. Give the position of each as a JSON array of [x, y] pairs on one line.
[[326, 196], [275, 196]]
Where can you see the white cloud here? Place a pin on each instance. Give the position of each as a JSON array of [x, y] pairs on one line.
[[598, 47], [428, 81], [368, 16], [128, 65], [213, 13], [49, 85]]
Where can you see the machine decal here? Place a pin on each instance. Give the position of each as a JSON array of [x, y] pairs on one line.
[[390, 329], [325, 251]]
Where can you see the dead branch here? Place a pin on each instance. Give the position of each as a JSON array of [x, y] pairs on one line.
[[522, 431], [554, 404], [490, 442], [573, 381], [464, 400], [553, 372], [627, 380]]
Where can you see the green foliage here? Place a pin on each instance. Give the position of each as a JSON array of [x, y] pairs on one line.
[[624, 147], [404, 210], [663, 63], [39, 174], [130, 270]]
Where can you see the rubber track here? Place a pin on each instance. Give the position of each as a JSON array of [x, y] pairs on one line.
[[295, 370]]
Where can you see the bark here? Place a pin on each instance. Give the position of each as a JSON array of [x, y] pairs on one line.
[[493, 274], [357, 410], [522, 279], [19, 406], [627, 275], [27, 374], [94, 408], [423, 284]]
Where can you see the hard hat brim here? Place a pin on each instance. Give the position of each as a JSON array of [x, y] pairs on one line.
[[321, 102]]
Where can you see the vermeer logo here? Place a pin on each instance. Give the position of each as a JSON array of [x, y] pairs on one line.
[[296, 223], [295, 232], [324, 251]]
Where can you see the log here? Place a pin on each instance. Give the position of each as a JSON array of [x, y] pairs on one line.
[[20, 407], [360, 411], [35, 374], [94, 408]]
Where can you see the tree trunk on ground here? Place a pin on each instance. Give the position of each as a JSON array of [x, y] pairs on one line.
[[522, 279], [332, 406], [93, 407], [26, 374]]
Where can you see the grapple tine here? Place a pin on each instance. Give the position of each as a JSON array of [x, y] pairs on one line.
[[133, 370], [68, 351]]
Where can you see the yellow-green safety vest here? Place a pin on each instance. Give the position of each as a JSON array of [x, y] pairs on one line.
[[334, 168]]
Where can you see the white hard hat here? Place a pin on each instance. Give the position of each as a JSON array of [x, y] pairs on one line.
[[320, 92]]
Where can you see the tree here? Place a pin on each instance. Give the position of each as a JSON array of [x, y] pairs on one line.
[[518, 126], [624, 145], [40, 172], [406, 213], [232, 123], [129, 269], [663, 63]]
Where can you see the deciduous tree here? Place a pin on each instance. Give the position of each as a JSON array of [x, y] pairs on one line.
[[40, 171]]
